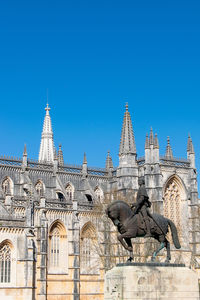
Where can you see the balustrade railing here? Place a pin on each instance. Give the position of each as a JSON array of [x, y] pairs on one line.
[[179, 162]]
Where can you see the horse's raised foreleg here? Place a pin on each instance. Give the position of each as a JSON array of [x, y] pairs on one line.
[[126, 236]]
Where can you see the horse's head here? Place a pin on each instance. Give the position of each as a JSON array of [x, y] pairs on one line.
[[112, 212], [118, 210]]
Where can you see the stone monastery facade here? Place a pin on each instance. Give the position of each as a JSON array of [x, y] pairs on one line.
[[55, 240]]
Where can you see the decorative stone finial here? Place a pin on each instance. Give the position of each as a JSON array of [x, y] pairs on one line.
[[109, 162], [84, 158], [147, 142], [60, 156], [151, 137], [156, 145], [188, 143], [25, 150], [190, 147], [169, 153]]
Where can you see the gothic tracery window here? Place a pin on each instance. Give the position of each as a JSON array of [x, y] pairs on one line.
[[98, 193], [86, 255], [55, 247], [89, 257], [39, 188], [172, 203], [70, 191], [5, 263], [7, 186], [58, 251]]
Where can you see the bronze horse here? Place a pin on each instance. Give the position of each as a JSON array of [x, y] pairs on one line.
[[130, 226]]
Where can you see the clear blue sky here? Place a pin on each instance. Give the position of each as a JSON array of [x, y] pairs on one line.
[[93, 56]]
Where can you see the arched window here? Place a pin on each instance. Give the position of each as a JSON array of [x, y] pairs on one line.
[[40, 188], [86, 251], [5, 263], [98, 193], [7, 186], [58, 251], [89, 257], [55, 247], [70, 191], [172, 203]]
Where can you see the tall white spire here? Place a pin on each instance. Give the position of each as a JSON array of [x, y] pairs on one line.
[[47, 145], [127, 171], [127, 144]]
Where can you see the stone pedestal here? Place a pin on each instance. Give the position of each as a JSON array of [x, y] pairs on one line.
[[146, 281]]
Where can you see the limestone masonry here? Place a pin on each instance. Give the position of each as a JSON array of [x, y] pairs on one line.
[[151, 282], [55, 239]]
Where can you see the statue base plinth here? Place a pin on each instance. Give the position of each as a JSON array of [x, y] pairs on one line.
[[146, 281]]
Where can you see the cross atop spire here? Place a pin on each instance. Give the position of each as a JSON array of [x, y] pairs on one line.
[[127, 144], [47, 145], [47, 108]]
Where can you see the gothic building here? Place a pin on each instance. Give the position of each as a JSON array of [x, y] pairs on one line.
[[55, 239]]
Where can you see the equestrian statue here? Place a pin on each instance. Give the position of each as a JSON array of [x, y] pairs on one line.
[[137, 221]]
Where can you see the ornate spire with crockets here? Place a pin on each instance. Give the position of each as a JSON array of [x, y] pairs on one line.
[[127, 144], [84, 166], [60, 156], [147, 142], [151, 137], [24, 160], [190, 152], [46, 153], [84, 158], [168, 153], [190, 147], [25, 150], [109, 163], [156, 145]]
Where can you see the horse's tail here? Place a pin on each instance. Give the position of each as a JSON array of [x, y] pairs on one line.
[[174, 234]]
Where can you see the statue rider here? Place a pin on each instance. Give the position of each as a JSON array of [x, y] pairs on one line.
[[142, 204]]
